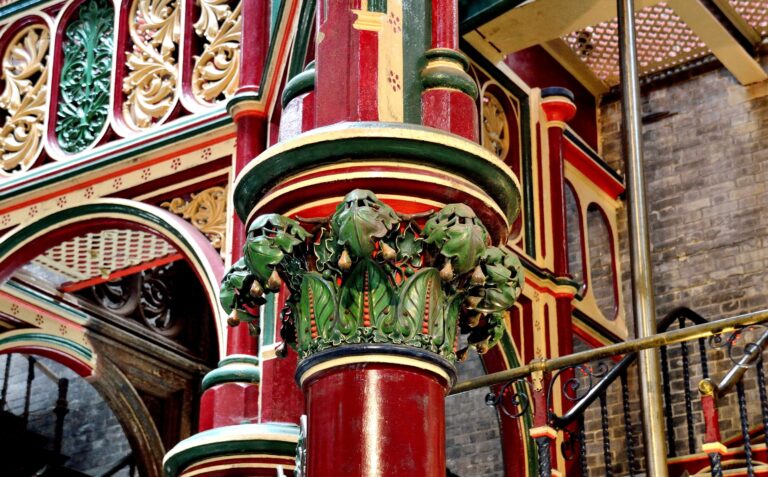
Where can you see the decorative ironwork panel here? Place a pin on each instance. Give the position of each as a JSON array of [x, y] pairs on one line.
[[85, 76], [206, 210], [217, 70], [25, 71], [495, 126], [150, 85]]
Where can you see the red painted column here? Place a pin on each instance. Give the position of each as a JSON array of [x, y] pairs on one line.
[[448, 101], [230, 401], [559, 108], [379, 413]]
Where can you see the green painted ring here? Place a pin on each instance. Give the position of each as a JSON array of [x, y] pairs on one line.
[[355, 142], [242, 439], [444, 77], [232, 373], [239, 358], [303, 82], [448, 54]]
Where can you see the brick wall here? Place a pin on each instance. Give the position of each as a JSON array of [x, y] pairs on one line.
[[473, 445], [93, 438]]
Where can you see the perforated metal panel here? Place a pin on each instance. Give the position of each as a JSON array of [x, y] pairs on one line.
[[663, 41], [100, 254]]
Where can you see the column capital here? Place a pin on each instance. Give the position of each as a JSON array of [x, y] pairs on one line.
[[368, 275], [558, 104]]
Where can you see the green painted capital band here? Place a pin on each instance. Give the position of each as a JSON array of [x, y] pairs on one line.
[[436, 75], [243, 439], [303, 82], [365, 141], [233, 370]]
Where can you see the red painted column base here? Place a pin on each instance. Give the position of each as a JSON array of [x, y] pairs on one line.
[[376, 412], [228, 404], [451, 111]]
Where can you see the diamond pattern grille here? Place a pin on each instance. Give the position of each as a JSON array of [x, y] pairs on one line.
[[99, 254], [754, 12]]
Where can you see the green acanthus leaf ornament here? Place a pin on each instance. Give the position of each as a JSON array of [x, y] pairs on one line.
[[361, 220], [270, 237], [237, 289], [459, 235], [367, 275]]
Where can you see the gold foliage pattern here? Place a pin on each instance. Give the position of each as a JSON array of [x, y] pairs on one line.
[[206, 210], [150, 86], [25, 73], [216, 72], [495, 127]]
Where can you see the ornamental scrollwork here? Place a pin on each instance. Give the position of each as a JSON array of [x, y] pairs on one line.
[[369, 275], [206, 210], [85, 76], [495, 126], [216, 72], [150, 85], [25, 71]]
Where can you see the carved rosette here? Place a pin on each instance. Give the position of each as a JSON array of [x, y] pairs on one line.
[[370, 275], [85, 76], [150, 85], [25, 71], [217, 70]]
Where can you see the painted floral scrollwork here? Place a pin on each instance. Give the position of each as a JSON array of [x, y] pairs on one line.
[[216, 71], [25, 71], [495, 127], [85, 76], [150, 85], [206, 210]]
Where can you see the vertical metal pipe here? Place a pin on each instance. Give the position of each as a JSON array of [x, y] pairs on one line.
[[640, 250]]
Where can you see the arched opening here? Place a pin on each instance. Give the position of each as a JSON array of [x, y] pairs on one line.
[[123, 294]]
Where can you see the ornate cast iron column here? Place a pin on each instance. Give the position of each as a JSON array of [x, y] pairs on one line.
[[377, 299], [385, 230]]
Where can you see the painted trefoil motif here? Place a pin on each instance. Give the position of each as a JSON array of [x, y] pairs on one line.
[[150, 85], [25, 76], [217, 70], [85, 76]]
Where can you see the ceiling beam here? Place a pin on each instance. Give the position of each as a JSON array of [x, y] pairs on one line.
[[724, 46], [563, 53], [540, 21]]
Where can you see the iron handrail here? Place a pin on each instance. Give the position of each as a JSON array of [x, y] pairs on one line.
[[667, 338]]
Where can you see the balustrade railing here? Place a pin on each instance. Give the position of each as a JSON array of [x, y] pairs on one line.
[[580, 385]]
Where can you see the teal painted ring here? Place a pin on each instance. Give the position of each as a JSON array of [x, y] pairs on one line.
[[303, 82], [377, 141], [232, 373], [444, 77], [242, 439], [239, 358]]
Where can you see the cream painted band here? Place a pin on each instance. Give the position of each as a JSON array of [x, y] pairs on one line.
[[543, 431], [269, 352], [374, 358], [221, 172], [384, 197], [714, 447], [387, 130], [368, 21], [241, 432], [556, 124], [440, 63], [90, 364], [455, 183], [254, 465]]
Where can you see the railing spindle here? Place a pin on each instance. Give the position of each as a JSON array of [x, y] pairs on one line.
[[745, 428], [27, 396], [667, 402], [687, 395], [606, 436], [628, 426], [763, 396], [703, 356], [582, 446]]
